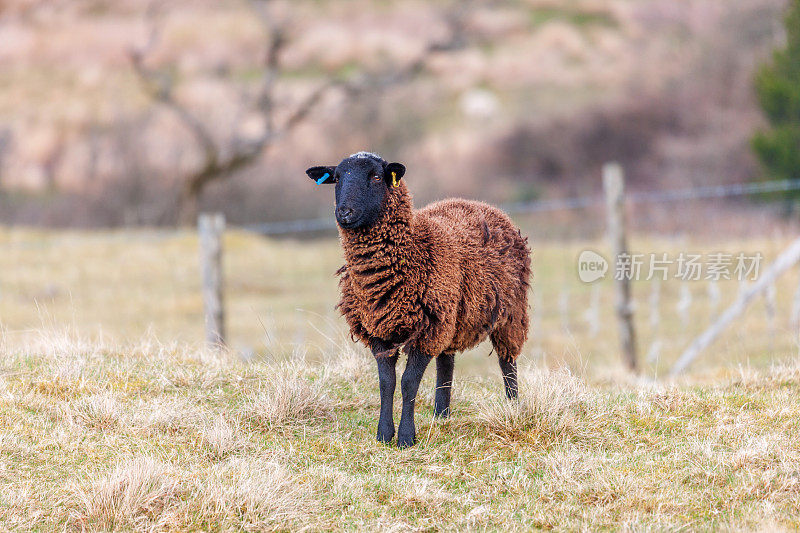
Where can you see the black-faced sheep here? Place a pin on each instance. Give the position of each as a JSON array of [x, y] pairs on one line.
[[435, 281]]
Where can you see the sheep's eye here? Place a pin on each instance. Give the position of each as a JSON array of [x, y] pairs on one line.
[[375, 176]]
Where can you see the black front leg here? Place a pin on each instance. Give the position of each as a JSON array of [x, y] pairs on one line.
[[444, 383], [387, 380], [409, 385]]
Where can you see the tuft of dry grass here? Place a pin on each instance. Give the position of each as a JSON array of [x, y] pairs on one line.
[[348, 363], [286, 397], [549, 407], [142, 493], [100, 411], [257, 494], [220, 438], [166, 415], [147, 494]]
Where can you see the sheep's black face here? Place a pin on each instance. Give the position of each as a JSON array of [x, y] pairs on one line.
[[362, 183], [360, 192]]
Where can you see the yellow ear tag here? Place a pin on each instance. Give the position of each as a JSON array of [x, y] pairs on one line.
[[395, 183]]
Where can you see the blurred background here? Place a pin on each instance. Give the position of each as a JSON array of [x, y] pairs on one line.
[[121, 121]]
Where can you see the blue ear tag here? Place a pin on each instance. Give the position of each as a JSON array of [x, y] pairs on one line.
[[323, 178]]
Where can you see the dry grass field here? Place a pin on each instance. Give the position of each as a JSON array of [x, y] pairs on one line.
[[154, 437], [114, 418]]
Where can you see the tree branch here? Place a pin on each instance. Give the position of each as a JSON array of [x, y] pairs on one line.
[[457, 40], [159, 86]]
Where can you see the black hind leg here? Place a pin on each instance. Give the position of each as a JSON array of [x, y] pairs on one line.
[[508, 340], [509, 369], [444, 384]]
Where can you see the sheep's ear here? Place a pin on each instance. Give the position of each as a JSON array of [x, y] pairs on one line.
[[321, 174], [393, 173]]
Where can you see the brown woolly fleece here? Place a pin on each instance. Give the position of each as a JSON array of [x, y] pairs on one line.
[[440, 279]]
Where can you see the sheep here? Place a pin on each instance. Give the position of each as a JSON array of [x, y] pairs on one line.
[[433, 282]]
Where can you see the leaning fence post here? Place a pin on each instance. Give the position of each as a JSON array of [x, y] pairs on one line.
[[788, 258], [211, 227], [795, 319], [614, 187], [795, 325]]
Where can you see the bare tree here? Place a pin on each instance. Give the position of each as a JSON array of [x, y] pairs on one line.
[[219, 164]]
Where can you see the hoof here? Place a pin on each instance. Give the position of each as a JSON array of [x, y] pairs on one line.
[[441, 413], [385, 435], [406, 440]]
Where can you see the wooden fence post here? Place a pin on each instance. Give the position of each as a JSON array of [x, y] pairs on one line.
[[563, 308], [684, 305], [654, 352], [211, 227], [592, 313], [614, 187], [713, 298], [771, 309]]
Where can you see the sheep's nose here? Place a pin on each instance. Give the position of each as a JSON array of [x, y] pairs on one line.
[[345, 214]]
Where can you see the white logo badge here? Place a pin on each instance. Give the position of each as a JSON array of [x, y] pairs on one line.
[[591, 266]]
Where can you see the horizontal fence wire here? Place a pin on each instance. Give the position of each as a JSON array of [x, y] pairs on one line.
[[562, 204]]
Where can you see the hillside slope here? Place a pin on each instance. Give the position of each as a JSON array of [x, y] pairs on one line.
[[540, 94]]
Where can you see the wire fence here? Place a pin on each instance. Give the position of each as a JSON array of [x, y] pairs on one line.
[[561, 204], [679, 319]]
